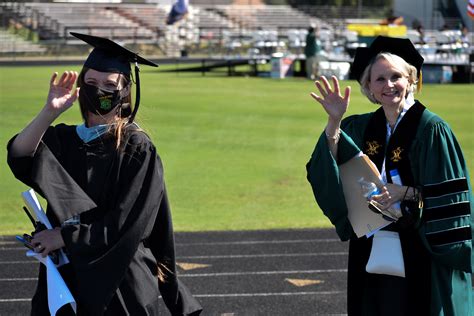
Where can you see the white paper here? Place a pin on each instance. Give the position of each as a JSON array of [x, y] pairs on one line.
[[31, 200], [386, 256], [58, 292], [34, 205]]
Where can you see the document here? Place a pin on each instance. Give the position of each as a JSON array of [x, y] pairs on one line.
[[31, 200], [364, 221], [58, 292]]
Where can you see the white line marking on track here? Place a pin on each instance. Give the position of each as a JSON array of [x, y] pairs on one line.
[[269, 294], [219, 243], [194, 275], [220, 274], [8, 242], [270, 255], [253, 242], [11, 300], [13, 248], [267, 255], [17, 279]]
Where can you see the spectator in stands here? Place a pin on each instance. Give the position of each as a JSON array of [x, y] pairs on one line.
[[400, 135], [445, 27], [105, 192], [464, 34], [421, 31], [392, 19], [312, 51], [421, 34], [179, 10]]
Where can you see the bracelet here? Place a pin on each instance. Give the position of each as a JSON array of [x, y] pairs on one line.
[[336, 137]]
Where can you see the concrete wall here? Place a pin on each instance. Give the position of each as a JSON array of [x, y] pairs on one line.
[[421, 10]]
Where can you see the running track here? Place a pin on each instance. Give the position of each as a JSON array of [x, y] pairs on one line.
[[277, 272]]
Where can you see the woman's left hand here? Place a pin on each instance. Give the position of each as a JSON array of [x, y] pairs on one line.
[[62, 93], [47, 241], [391, 193]]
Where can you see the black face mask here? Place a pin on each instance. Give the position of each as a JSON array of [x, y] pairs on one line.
[[97, 100]]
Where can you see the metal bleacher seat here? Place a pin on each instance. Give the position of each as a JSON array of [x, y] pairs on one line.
[[96, 19], [14, 44]]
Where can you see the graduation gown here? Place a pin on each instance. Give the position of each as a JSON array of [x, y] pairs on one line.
[[437, 246], [125, 229]]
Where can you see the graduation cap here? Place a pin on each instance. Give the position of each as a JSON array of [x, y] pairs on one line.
[[401, 47], [108, 56]]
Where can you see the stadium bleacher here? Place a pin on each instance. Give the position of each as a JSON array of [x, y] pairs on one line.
[[212, 27], [94, 19], [15, 44]]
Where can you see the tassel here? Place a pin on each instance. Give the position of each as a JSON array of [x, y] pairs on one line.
[[419, 84], [137, 92]]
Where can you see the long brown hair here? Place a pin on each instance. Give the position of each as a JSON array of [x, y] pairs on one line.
[[117, 128], [120, 121]]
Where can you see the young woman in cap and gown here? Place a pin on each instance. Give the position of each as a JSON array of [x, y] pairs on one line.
[[435, 230], [103, 181]]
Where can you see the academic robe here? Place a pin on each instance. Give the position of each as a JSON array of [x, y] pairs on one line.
[[437, 246], [125, 229]]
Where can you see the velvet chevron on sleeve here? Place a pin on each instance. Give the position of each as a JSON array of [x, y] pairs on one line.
[[437, 247]]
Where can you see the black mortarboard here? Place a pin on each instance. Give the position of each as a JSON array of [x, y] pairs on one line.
[[108, 56], [401, 47]]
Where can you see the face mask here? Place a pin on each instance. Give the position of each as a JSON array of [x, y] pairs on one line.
[[97, 100]]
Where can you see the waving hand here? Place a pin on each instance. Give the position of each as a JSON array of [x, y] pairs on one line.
[[61, 95], [333, 103]]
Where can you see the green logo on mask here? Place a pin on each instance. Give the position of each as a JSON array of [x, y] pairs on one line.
[[105, 103]]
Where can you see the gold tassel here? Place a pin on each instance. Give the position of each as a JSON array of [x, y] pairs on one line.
[[419, 84]]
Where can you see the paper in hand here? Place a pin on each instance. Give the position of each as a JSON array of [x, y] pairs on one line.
[[31, 200], [58, 292], [33, 204], [364, 222]]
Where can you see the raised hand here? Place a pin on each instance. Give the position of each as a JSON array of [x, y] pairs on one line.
[[333, 103], [61, 94], [60, 98]]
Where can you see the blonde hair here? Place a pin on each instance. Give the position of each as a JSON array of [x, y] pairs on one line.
[[399, 63], [118, 122]]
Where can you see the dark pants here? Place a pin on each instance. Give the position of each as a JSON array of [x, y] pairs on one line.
[[380, 295], [386, 295]]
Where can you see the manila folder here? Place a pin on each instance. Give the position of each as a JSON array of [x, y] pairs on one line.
[[363, 220]]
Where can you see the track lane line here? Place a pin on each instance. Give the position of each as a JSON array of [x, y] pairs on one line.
[[220, 274]]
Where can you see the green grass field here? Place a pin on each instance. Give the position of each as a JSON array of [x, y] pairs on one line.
[[234, 148]]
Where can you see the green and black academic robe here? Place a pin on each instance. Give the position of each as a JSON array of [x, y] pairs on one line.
[[437, 245], [125, 229]]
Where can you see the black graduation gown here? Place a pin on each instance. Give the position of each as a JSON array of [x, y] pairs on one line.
[[125, 231]]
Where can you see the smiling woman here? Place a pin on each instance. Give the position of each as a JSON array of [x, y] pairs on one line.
[[400, 137], [101, 92], [392, 78], [389, 84]]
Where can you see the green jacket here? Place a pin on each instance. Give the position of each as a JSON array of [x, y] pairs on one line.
[[437, 162]]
